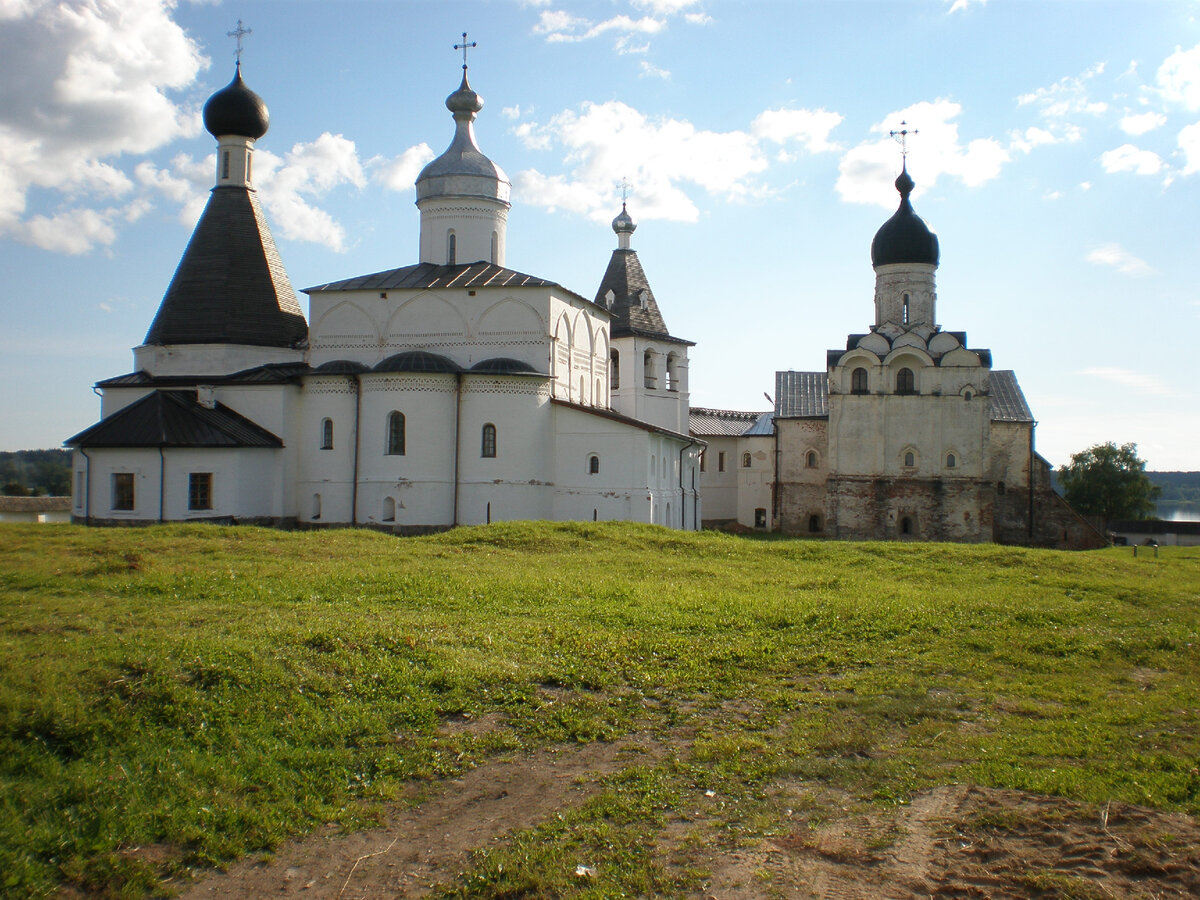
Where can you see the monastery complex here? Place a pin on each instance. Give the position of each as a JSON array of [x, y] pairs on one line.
[[456, 391]]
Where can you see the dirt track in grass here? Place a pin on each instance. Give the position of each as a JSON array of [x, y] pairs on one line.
[[951, 842]]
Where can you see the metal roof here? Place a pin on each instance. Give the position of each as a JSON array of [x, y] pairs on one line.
[[174, 419], [723, 422], [627, 280], [628, 420], [1008, 403], [429, 275], [230, 286], [801, 395], [272, 373], [764, 427]]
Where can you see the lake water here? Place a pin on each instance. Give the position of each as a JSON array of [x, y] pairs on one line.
[[1176, 512]]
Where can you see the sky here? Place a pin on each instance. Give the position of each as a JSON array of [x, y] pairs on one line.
[[1056, 153]]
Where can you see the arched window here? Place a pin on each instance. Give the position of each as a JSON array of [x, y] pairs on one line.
[[488, 441], [967, 396], [858, 381], [746, 460], [703, 461], [225, 164], [593, 464], [910, 458], [648, 368], [451, 248], [614, 369], [672, 372], [814, 523], [905, 382], [810, 459], [389, 510], [906, 309], [951, 462], [327, 434], [395, 433]]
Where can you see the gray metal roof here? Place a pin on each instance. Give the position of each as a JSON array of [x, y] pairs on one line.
[[764, 427], [801, 395], [230, 286], [272, 373], [174, 419], [428, 275], [627, 420], [1008, 403], [723, 422]]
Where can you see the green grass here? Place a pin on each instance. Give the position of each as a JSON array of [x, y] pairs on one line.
[[206, 692]]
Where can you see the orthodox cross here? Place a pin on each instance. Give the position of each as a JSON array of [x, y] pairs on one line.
[[239, 33], [625, 186], [901, 137], [464, 46]]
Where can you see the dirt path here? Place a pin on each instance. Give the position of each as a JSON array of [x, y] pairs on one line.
[[430, 843]]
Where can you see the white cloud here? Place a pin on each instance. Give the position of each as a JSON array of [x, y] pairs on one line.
[[808, 127], [1128, 158], [1025, 141], [698, 19], [1066, 97], [1117, 257], [400, 172], [561, 27], [660, 156], [511, 112], [1179, 77], [1140, 381], [85, 83], [649, 70], [665, 7], [1189, 143], [867, 172], [1142, 123], [959, 5]]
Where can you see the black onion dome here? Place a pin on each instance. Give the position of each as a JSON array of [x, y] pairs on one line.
[[235, 109], [904, 238]]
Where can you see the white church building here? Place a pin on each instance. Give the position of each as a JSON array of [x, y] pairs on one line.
[[452, 391]]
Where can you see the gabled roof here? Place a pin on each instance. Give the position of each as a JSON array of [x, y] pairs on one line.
[[271, 373], [174, 419], [724, 422], [626, 420], [627, 280], [34, 504], [801, 395], [429, 275], [230, 286], [1008, 402]]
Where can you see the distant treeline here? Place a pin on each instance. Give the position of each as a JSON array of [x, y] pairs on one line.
[[35, 472], [1180, 490]]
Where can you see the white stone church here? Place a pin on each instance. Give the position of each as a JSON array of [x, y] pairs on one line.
[[453, 391]]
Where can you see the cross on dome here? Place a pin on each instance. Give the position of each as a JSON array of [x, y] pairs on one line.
[[464, 46], [901, 138], [238, 33], [625, 187]]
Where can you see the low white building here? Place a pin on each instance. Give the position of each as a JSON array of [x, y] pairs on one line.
[[452, 391], [737, 468]]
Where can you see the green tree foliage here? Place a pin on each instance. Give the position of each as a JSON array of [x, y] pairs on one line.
[[1110, 482], [38, 472]]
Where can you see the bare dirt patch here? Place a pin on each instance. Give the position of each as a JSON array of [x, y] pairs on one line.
[[430, 843], [968, 842]]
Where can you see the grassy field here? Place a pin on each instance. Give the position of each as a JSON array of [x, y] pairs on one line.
[[209, 691]]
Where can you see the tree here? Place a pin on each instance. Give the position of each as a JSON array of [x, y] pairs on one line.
[[1110, 482]]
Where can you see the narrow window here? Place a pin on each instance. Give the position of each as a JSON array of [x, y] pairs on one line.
[[672, 372], [905, 382], [225, 164], [906, 525], [614, 369], [593, 464], [810, 459], [316, 506], [200, 490], [495, 249], [1000, 487], [249, 163], [451, 249], [327, 434], [395, 433], [910, 459], [488, 448], [967, 396], [721, 461], [906, 309], [814, 523], [648, 368], [703, 460], [746, 460], [951, 462], [858, 381], [389, 509], [122, 490], [760, 517]]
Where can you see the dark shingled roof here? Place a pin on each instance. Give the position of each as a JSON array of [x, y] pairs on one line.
[[504, 365], [1008, 403], [428, 275], [174, 419], [626, 279], [34, 504], [417, 361], [801, 395], [230, 286]]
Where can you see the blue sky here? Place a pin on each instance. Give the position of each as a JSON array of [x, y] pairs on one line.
[[1058, 158]]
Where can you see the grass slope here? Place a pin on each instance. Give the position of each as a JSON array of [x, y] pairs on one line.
[[205, 692]]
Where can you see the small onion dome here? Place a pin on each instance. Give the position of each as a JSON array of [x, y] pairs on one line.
[[904, 238], [464, 100], [503, 365], [341, 367], [623, 223], [417, 361], [235, 109]]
